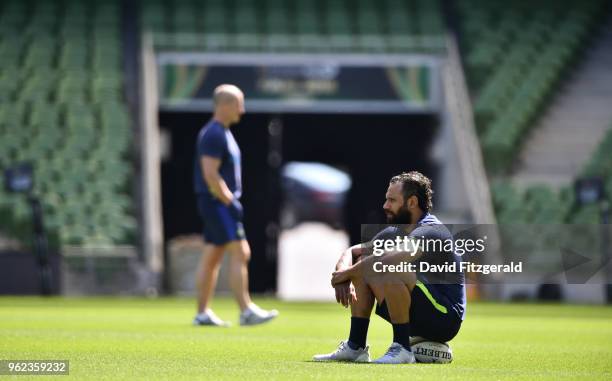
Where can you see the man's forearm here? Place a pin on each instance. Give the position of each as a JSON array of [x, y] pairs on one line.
[[352, 255], [219, 188], [346, 260]]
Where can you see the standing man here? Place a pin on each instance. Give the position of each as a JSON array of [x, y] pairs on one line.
[[430, 305], [218, 189]]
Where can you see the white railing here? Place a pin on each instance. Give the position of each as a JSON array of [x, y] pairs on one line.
[[459, 107]]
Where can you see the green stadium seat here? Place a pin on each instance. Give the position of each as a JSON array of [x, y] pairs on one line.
[[8, 89], [41, 113], [246, 19], [76, 12], [215, 18], [277, 17], [11, 52], [308, 22], [508, 203], [368, 18], [14, 9], [337, 22], [106, 14], [185, 18], [13, 114], [153, 15]]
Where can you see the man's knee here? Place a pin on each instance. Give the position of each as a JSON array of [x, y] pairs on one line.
[[393, 280], [240, 251], [396, 288], [391, 288], [410, 280]]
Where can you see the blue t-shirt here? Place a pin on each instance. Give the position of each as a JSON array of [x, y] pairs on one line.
[[216, 141], [451, 284]]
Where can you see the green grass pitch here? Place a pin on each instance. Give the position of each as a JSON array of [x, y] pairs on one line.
[[150, 339]]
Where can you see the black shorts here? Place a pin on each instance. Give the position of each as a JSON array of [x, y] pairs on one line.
[[430, 316]]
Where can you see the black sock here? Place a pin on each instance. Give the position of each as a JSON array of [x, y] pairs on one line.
[[401, 334], [359, 332]]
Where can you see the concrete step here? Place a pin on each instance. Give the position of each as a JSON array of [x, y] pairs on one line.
[[590, 87], [560, 146]]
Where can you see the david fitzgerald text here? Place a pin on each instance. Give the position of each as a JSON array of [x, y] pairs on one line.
[[448, 267]]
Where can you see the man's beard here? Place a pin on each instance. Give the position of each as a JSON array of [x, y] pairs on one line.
[[402, 217]]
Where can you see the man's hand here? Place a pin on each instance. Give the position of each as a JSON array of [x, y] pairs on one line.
[[235, 208], [345, 294], [342, 276]]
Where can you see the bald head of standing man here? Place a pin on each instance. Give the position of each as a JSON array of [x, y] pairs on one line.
[[218, 188], [229, 104]]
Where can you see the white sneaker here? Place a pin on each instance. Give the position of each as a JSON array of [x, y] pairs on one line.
[[345, 353], [396, 354], [254, 315], [208, 317]]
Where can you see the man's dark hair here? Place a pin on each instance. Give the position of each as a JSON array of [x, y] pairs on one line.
[[416, 184]]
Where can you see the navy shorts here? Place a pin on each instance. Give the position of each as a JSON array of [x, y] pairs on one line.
[[220, 227], [431, 315]]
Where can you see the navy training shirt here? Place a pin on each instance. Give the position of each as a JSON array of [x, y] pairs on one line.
[[451, 285], [216, 141]]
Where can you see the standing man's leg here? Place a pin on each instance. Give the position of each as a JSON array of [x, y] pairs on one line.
[[226, 234], [250, 313], [240, 254], [206, 281], [207, 273]]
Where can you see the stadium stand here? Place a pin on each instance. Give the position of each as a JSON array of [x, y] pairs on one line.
[[541, 204], [62, 108], [514, 56], [317, 26]]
